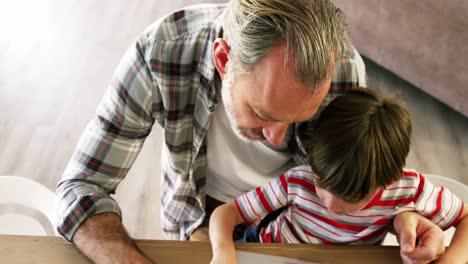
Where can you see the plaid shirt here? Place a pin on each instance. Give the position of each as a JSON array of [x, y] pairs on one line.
[[167, 76]]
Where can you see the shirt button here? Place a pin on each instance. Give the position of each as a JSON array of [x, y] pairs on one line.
[[211, 108]]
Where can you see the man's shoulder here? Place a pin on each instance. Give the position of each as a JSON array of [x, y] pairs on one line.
[[350, 71], [183, 23]]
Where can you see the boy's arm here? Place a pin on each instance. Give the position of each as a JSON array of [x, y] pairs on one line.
[[410, 227], [443, 208], [269, 197], [222, 223], [457, 251]]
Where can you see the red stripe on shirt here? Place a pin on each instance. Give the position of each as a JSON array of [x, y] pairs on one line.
[[308, 200], [422, 181], [241, 213], [382, 221], [266, 237], [263, 200], [410, 173], [284, 183], [374, 200], [333, 222], [317, 224], [393, 202], [302, 182], [438, 204], [278, 233]]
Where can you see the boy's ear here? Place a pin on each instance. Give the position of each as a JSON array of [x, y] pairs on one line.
[[220, 52]]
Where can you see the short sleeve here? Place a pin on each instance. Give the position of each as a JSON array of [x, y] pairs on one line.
[[438, 204], [263, 200]]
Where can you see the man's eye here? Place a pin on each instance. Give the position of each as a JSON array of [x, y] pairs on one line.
[[258, 117], [262, 119]]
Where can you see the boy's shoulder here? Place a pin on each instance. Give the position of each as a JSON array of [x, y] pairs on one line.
[[410, 175], [410, 178], [300, 171], [408, 186]]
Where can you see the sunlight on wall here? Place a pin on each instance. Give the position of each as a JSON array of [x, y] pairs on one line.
[[24, 20]]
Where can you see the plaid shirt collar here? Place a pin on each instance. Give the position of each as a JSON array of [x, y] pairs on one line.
[[206, 67]]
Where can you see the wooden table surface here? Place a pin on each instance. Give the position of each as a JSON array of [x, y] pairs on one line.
[[55, 250]]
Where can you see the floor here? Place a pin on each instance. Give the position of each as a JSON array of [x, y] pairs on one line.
[[57, 58]]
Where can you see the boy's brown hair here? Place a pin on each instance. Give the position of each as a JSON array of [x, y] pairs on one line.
[[360, 143]]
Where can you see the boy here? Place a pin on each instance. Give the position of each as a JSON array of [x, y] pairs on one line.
[[354, 187]]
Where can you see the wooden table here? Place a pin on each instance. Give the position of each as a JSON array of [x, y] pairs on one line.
[[55, 250]]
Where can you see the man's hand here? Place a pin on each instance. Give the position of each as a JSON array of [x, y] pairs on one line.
[[421, 241], [102, 238], [200, 234]]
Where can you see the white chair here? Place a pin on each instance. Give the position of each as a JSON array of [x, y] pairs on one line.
[[26, 207], [457, 188]]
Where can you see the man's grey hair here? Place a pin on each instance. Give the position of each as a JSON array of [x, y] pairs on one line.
[[312, 31]]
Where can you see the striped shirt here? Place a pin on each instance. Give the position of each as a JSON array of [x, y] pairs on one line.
[[307, 220], [167, 76]]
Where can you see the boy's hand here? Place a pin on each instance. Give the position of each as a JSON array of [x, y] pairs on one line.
[[411, 227]]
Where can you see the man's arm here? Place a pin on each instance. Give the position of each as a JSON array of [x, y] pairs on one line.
[[104, 155], [103, 239]]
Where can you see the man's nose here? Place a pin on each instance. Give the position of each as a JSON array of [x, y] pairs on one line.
[[275, 133]]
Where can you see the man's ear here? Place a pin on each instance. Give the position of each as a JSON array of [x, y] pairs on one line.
[[220, 52]]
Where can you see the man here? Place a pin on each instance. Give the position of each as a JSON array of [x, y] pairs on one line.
[[243, 82]]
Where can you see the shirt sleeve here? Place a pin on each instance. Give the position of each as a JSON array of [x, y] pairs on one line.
[[110, 143], [437, 204], [263, 200]]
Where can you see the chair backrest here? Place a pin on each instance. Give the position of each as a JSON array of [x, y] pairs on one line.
[[26, 207], [457, 188]]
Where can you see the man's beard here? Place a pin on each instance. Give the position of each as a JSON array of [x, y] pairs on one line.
[[245, 134]]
